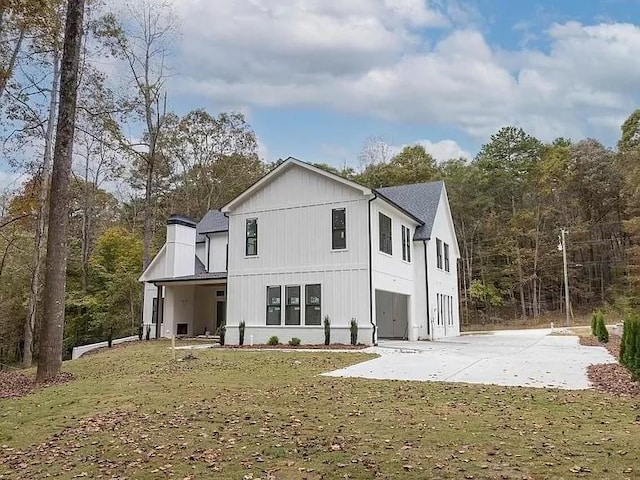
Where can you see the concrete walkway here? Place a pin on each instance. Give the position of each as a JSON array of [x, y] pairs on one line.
[[526, 358]]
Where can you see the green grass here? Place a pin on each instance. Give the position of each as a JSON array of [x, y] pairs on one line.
[[134, 413]]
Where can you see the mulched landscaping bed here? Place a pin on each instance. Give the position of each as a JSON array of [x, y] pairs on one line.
[[333, 346], [16, 384], [611, 377]]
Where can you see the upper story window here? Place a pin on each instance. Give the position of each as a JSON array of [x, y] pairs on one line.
[[385, 234], [338, 229], [446, 257], [439, 253], [252, 237], [406, 244]]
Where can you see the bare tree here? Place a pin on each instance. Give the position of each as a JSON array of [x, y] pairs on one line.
[[52, 328], [142, 36]]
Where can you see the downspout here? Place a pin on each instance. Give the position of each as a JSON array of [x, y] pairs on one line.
[[426, 289], [208, 244], [373, 333]]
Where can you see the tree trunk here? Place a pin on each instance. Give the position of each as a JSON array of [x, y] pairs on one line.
[[5, 75], [41, 225], [52, 328]]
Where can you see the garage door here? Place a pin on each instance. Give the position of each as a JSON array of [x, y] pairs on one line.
[[392, 314]]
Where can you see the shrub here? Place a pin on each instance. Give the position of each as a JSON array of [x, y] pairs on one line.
[[601, 329], [294, 342], [148, 334], [327, 330], [353, 327], [594, 323], [630, 345], [222, 332], [274, 341], [140, 331], [241, 332]]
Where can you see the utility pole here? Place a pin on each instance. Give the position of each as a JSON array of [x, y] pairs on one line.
[[566, 276]]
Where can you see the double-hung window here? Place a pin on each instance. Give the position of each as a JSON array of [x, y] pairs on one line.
[[385, 234], [312, 311], [406, 244], [439, 253], [251, 248], [338, 229], [292, 308], [446, 257], [274, 295]]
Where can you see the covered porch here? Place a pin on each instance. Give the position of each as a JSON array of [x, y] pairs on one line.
[[189, 307]]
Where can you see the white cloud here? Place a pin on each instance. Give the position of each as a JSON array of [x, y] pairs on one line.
[[444, 149], [374, 57]]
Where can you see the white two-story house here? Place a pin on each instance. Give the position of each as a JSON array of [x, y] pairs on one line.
[[303, 244]]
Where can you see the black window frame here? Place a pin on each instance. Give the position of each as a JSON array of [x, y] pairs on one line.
[[447, 266], [315, 306], [406, 244], [272, 305], [439, 253], [254, 235], [291, 307], [338, 243], [385, 239]]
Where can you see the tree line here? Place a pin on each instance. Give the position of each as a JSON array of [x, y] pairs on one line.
[[134, 162]]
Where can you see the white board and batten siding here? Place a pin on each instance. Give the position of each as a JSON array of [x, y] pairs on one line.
[[217, 252], [392, 273], [442, 283], [294, 217]]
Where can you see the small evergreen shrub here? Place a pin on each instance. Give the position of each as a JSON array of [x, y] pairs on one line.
[[294, 342], [274, 341], [140, 331], [630, 344], [601, 329], [241, 332], [110, 338], [148, 334], [353, 328], [594, 323], [222, 332], [327, 330]]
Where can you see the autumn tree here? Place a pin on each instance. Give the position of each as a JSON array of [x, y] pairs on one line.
[[50, 351]]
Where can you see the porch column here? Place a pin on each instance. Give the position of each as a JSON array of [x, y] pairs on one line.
[[160, 314]]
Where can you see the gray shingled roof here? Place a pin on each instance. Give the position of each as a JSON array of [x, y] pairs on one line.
[[420, 200], [199, 267], [214, 221]]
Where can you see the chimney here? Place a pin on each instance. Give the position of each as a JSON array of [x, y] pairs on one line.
[[181, 246]]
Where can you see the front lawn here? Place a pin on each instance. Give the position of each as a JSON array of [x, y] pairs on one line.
[[135, 413]]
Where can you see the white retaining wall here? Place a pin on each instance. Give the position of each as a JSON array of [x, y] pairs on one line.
[[81, 350]]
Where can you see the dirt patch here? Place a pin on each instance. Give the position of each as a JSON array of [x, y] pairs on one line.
[[590, 341], [611, 377], [16, 384], [333, 346]]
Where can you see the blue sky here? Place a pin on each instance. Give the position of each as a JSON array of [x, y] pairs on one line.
[[318, 78]]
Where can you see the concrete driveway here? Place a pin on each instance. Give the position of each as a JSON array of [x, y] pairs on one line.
[[525, 358]]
